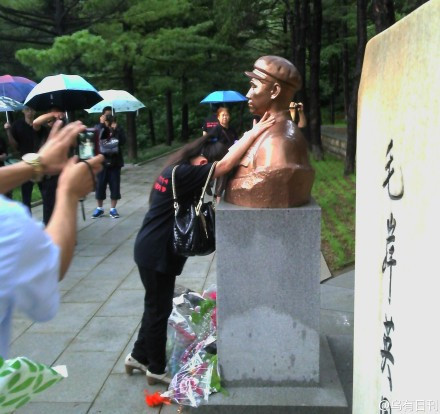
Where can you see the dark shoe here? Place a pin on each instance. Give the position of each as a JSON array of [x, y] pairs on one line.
[[114, 213]]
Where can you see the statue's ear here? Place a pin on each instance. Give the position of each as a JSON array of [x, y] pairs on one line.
[[276, 90]]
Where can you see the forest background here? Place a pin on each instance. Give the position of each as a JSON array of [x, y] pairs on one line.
[[171, 53]]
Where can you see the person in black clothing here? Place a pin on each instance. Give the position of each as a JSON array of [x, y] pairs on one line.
[[228, 134], [110, 137], [153, 252], [24, 139], [211, 122], [43, 125]]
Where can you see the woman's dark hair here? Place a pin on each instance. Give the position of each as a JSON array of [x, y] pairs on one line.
[[209, 146]]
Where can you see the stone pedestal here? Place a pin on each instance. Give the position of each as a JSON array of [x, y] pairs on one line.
[[268, 306], [268, 266]]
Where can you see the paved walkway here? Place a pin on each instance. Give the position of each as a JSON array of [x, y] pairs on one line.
[[102, 303]]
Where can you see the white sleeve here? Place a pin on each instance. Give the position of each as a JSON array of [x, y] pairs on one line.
[[33, 262]]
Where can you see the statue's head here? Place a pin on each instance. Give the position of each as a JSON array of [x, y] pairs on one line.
[[274, 82]]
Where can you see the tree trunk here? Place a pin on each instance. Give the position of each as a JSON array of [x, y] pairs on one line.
[[185, 129], [350, 156], [169, 112], [345, 62], [291, 27], [151, 126], [131, 135], [383, 14], [131, 122], [302, 22], [315, 58], [297, 33], [59, 15]]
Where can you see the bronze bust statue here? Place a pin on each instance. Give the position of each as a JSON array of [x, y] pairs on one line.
[[275, 172]]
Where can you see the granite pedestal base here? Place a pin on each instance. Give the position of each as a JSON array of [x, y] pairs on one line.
[[327, 397], [268, 296]]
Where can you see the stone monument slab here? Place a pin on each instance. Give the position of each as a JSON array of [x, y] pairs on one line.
[[396, 361]]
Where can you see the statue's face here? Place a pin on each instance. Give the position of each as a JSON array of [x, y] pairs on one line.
[[259, 96]]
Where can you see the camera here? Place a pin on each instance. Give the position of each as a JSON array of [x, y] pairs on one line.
[[109, 118], [86, 144]]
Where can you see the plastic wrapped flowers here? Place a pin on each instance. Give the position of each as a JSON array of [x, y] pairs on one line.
[[192, 348]]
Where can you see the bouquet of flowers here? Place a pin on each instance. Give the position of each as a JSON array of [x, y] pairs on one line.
[[193, 351]]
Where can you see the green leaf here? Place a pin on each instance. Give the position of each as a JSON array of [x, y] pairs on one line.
[[25, 384], [21, 403], [14, 401], [14, 380], [38, 381], [30, 364], [47, 385], [6, 372], [16, 365]]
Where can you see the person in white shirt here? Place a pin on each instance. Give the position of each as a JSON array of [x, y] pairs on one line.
[[34, 259]]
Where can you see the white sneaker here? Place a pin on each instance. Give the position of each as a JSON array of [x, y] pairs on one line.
[[131, 364], [158, 378]]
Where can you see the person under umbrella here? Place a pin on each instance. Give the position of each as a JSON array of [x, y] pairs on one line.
[[211, 122], [110, 138], [43, 125], [24, 139], [228, 135]]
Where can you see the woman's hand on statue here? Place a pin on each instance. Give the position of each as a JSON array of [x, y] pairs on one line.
[[265, 122]]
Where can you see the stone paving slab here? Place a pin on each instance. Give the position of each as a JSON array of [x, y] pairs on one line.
[[43, 347], [87, 371], [105, 333], [91, 290], [71, 318], [111, 398], [55, 408]]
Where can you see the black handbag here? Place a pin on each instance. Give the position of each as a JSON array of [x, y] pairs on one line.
[[194, 225]]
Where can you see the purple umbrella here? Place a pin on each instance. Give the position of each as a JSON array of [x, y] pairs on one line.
[[15, 87]]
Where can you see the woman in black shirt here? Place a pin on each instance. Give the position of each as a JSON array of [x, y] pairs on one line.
[[227, 132], [153, 253]]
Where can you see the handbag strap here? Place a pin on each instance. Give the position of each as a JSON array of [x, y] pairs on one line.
[[199, 204]]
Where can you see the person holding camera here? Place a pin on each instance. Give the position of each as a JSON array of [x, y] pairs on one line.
[[297, 108], [110, 137], [33, 259]]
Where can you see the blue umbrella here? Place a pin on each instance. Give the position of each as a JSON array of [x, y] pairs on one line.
[[9, 104], [66, 92], [15, 87], [224, 96]]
